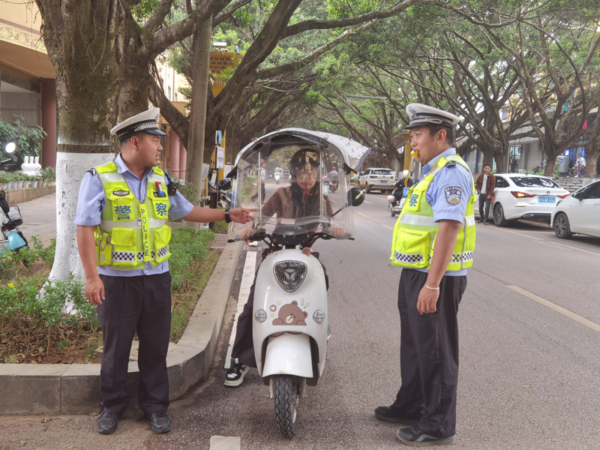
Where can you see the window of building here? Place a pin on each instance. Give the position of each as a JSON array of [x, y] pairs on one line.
[[503, 114], [175, 96], [169, 90]]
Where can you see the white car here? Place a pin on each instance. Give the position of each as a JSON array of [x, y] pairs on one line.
[[519, 196], [578, 213], [377, 179]]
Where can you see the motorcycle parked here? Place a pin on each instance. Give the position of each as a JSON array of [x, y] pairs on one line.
[[11, 239], [291, 321]]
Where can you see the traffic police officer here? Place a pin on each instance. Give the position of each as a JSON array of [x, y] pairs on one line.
[[434, 240], [123, 240]]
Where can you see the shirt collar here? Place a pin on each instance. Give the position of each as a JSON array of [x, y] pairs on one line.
[[431, 164], [122, 167]]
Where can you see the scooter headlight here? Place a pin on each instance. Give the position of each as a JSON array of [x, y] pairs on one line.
[[319, 316], [260, 315], [290, 274]]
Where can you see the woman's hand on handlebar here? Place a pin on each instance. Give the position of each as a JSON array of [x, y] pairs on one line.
[[246, 233], [339, 232]]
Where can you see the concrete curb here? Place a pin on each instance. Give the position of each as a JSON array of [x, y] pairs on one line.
[[75, 388], [17, 196]]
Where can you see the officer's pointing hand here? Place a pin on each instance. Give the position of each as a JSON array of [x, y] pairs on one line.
[[241, 215], [427, 301]]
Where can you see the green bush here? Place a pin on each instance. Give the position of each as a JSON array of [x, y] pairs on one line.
[[28, 140], [187, 245]]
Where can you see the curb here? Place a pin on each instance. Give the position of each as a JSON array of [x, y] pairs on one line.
[[75, 388]]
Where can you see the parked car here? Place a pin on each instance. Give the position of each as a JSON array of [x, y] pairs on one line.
[[377, 179], [519, 196], [578, 213]]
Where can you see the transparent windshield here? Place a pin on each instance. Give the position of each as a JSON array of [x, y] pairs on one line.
[[302, 199]]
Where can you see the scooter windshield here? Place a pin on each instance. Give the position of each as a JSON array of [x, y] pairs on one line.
[[290, 185]]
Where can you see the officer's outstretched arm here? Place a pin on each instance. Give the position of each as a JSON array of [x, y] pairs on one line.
[[206, 215], [442, 255], [94, 288]]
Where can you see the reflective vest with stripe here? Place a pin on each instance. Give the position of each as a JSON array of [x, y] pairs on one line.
[[132, 233], [415, 231]]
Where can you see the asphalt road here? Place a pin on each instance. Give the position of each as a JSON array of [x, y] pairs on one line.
[[528, 373]]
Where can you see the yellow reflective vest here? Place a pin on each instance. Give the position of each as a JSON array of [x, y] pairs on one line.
[[132, 233], [415, 231]]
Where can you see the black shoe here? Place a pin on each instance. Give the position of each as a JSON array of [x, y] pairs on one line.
[[387, 415], [235, 375], [108, 423], [486, 222], [160, 422], [413, 436]]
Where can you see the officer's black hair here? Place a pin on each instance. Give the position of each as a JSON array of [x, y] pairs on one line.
[[434, 129]]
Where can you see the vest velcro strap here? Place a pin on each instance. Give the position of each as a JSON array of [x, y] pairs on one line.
[[108, 225], [408, 259], [422, 221]]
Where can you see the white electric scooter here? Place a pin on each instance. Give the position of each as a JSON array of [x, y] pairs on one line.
[[290, 314]]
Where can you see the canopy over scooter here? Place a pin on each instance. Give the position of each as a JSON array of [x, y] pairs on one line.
[[302, 204]]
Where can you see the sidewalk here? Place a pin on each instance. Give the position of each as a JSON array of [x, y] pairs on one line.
[[39, 218]]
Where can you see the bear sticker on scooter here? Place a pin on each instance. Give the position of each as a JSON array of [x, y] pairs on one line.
[[291, 314]]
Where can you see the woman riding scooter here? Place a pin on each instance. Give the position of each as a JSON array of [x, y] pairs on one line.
[[301, 199]]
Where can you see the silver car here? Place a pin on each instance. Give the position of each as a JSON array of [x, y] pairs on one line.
[[377, 179]]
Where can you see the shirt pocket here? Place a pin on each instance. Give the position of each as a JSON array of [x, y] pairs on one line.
[[124, 247], [160, 207], [122, 205]]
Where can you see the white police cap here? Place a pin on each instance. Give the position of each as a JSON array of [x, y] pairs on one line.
[[145, 122], [421, 115]]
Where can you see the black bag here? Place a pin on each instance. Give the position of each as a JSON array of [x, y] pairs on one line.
[[3, 202]]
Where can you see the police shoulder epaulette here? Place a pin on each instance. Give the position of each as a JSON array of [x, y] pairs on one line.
[[93, 171], [451, 164]]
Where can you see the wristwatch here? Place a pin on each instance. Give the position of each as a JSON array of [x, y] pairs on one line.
[[227, 216]]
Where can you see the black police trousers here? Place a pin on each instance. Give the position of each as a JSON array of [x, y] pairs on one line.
[[429, 354], [142, 304]]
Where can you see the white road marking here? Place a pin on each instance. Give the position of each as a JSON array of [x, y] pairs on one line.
[[559, 309], [540, 239], [225, 443], [247, 279]]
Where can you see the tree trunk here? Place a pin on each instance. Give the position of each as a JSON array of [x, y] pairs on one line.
[[591, 162], [550, 165], [200, 68], [80, 38]]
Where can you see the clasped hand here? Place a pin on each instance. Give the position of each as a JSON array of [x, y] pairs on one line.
[[427, 302]]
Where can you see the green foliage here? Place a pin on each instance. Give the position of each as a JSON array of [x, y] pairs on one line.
[[27, 139], [48, 174], [187, 246], [144, 9]]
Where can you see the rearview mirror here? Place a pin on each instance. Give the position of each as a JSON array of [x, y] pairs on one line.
[[356, 196]]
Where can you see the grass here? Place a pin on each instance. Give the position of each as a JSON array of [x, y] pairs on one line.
[[184, 305], [40, 333]]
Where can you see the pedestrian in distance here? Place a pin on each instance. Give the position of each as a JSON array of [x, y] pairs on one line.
[[434, 240], [263, 177], [123, 240], [580, 166], [485, 185]]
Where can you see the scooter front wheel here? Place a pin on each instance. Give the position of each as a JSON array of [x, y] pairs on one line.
[[286, 405]]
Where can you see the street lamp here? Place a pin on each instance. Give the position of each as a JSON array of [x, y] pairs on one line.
[[10, 147]]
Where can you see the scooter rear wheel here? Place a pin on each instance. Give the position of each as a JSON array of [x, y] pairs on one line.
[[286, 405]]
